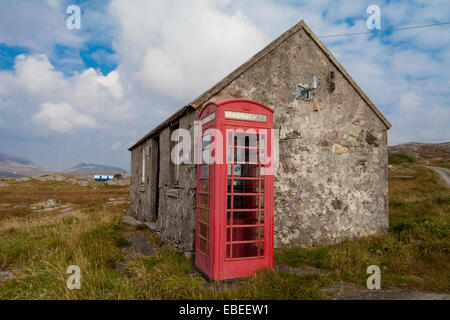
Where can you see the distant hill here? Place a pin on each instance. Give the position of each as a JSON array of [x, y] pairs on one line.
[[13, 166], [89, 169], [423, 151]]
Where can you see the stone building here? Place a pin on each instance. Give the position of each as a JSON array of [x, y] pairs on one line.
[[331, 183]]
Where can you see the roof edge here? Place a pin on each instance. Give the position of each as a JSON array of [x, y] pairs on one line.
[[204, 97], [174, 117], [331, 57], [199, 101]]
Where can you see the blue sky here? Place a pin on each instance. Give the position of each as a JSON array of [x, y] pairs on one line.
[[71, 96]]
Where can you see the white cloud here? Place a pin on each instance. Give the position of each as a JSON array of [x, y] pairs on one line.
[[116, 146], [181, 49], [55, 102], [55, 4], [37, 25], [409, 102], [405, 73], [415, 119], [177, 49], [169, 52], [62, 117]]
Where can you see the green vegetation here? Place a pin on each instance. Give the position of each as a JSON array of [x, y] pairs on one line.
[[415, 253], [397, 158], [37, 247]]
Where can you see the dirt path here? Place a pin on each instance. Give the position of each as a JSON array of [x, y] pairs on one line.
[[349, 291], [443, 172], [140, 245], [353, 291]]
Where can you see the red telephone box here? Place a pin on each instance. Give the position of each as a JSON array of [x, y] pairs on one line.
[[234, 218]]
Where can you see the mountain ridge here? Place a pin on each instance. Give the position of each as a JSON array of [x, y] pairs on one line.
[[87, 169], [423, 151], [12, 166]]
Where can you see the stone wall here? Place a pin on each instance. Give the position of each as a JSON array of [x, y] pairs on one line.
[[332, 179], [176, 220], [143, 198], [175, 216], [139, 200]]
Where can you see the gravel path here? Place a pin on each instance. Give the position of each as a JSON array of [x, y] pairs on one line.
[[443, 172], [347, 291]]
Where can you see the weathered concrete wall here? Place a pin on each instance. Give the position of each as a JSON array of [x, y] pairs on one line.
[[176, 220], [134, 187], [143, 199], [139, 198], [332, 179], [175, 214]]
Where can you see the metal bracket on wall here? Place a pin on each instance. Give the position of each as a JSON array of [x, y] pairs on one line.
[[302, 90]]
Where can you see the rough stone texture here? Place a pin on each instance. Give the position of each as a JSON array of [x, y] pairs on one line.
[[119, 181], [60, 178], [51, 203], [116, 201], [139, 204], [174, 211], [325, 157], [332, 179], [46, 178], [140, 245], [5, 275], [176, 219], [131, 221], [151, 226]]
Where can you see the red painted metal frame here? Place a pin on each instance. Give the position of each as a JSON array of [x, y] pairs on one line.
[[214, 263]]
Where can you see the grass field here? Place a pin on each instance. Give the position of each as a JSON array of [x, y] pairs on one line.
[[37, 246]]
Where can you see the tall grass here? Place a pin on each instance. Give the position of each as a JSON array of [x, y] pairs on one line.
[[38, 247], [415, 253]]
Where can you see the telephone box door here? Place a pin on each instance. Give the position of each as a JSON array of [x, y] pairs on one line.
[[248, 241], [234, 229]]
